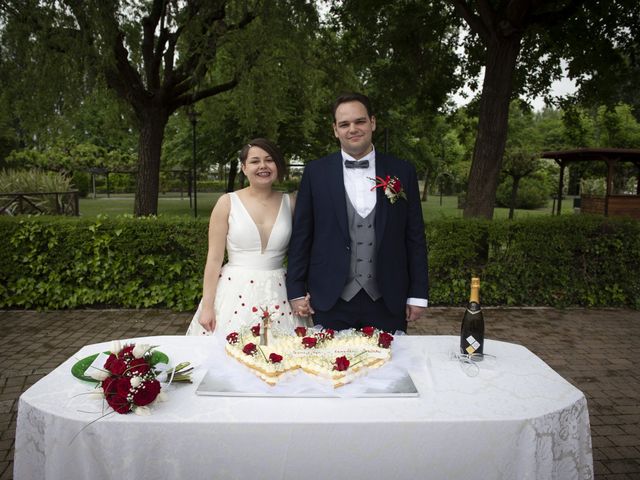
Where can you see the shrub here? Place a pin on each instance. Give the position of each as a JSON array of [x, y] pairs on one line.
[[61, 262], [546, 261], [81, 181], [36, 181], [532, 193]]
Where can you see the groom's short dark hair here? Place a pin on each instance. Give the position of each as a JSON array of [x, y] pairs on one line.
[[352, 97]]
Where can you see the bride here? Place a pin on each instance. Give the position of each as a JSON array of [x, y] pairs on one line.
[[254, 224]]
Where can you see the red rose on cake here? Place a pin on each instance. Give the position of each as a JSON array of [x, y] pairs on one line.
[[309, 342], [368, 331], [249, 349], [385, 339], [275, 358], [341, 364], [232, 338]]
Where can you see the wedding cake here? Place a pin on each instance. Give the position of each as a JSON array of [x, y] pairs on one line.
[[338, 357]]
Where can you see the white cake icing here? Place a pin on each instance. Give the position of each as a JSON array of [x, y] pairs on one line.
[[363, 349]]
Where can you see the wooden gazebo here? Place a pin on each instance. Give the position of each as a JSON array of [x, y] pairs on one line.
[[610, 204]]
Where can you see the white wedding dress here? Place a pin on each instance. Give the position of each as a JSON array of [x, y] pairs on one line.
[[252, 277]]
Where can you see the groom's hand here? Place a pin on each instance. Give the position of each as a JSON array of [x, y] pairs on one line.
[[302, 306], [414, 312]]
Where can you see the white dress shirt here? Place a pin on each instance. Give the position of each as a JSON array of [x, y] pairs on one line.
[[358, 183]]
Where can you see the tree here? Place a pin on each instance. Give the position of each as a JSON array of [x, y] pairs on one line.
[[157, 56], [520, 43], [403, 55], [286, 96], [518, 165]]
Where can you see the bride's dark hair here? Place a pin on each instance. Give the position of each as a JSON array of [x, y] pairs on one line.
[[269, 147]]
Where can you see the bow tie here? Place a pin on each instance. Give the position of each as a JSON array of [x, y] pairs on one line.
[[356, 163]]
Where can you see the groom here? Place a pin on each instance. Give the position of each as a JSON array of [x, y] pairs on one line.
[[359, 251]]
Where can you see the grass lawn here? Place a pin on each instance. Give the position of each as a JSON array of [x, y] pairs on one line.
[[173, 205], [168, 205]]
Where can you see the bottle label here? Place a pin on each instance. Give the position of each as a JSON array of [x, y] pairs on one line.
[[473, 344]]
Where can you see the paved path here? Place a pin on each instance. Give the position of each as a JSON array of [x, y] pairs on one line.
[[596, 350]]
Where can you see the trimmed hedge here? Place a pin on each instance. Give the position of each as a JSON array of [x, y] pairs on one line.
[[67, 263], [54, 263], [561, 261]]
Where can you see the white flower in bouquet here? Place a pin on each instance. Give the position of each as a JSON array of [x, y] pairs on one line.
[[142, 411], [116, 346], [99, 375], [140, 349], [136, 381]]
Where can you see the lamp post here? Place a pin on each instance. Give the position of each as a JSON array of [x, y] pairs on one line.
[[193, 118]]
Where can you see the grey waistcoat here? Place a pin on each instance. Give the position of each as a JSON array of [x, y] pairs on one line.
[[362, 270]]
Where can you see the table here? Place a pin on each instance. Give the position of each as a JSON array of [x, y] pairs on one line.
[[516, 419]]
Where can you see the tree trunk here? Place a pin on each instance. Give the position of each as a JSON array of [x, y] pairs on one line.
[[233, 171], [502, 53], [149, 149], [514, 196]]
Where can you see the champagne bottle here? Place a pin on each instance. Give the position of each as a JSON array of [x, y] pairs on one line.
[[472, 330]]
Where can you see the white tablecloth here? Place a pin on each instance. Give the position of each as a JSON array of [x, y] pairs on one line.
[[518, 419]]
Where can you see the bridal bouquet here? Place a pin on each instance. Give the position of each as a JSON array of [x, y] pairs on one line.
[[130, 378]]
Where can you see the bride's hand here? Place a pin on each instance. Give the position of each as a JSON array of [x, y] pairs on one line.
[[208, 319], [302, 306]]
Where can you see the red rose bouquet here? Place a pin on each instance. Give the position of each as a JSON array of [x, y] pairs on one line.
[[130, 380]]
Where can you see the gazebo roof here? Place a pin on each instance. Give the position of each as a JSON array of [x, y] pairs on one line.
[[589, 154]]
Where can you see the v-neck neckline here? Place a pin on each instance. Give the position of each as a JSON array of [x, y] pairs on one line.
[[246, 210]]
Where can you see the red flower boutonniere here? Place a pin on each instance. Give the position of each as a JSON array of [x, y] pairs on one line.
[[391, 186]]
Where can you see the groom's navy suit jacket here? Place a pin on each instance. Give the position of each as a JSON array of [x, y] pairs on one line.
[[320, 247]]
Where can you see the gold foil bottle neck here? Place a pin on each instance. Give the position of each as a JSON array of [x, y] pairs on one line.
[[475, 290]]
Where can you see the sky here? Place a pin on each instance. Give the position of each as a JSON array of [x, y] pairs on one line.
[[558, 88]]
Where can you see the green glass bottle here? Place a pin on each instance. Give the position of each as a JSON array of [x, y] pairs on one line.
[[472, 330]]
